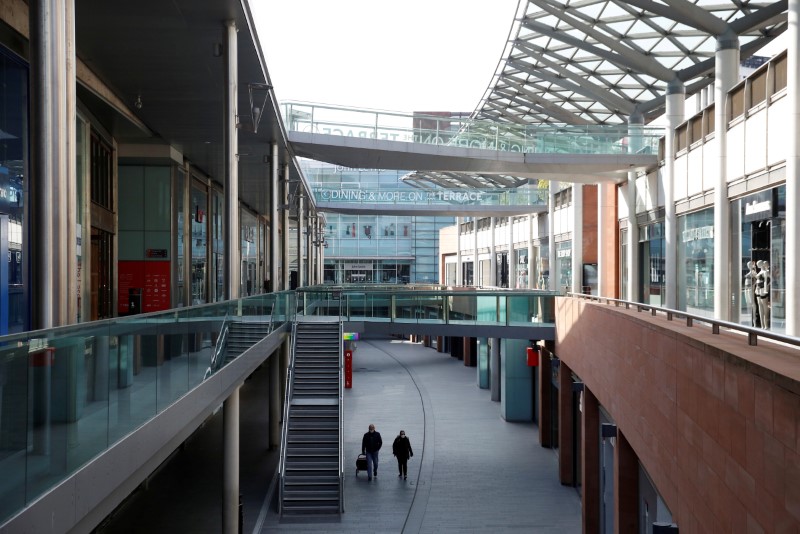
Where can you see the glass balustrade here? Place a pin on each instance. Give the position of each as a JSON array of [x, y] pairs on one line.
[[432, 306], [67, 394], [457, 130]]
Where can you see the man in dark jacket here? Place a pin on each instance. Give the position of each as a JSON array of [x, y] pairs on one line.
[[370, 445], [401, 448]]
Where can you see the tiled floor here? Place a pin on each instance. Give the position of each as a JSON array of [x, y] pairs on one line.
[[471, 470]]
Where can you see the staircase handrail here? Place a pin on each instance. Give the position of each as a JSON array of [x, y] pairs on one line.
[[285, 429], [341, 416], [219, 349]]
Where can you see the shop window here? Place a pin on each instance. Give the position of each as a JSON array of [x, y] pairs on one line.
[[736, 103], [680, 138], [779, 77], [758, 89], [695, 130], [102, 173], [708, 120]]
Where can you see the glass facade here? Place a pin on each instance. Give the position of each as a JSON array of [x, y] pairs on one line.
[[758, 229], [651, 264], [13, 166], [199, 270], [249, 254], [376, 248], [564, 265], [696, 262]]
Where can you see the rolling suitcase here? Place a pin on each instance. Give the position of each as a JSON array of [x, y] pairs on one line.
[[361, 463]]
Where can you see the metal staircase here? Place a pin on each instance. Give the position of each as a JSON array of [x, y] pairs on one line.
[[243, 335], [312, 470]]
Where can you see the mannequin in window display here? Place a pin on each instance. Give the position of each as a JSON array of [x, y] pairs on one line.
[[750, 291], [762, 292]]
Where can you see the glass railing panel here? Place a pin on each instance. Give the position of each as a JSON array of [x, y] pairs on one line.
[[14, 424], [522, 310], [462, 132], [486, 309], [463, 309]]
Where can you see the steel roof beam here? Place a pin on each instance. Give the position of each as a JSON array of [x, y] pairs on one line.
[[556, 111], [573, 82], [706, 67], [464, 179], [697, 17], [622, 56], [763, 16]]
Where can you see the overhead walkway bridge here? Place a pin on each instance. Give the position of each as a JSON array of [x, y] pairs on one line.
[[90, 411], [361, 138]]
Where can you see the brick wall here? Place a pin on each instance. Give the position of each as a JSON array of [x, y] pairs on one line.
[[713, 420]]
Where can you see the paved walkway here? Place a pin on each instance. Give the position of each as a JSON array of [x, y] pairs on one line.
[[471, 470]]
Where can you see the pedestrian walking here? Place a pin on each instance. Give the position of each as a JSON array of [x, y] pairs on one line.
[[371, 443], [401, 448]]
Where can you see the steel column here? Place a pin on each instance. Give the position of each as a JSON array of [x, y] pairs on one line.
[[230, 461], [676, 98], [726, 76], [231, 136], [792, 170], [577, 238]]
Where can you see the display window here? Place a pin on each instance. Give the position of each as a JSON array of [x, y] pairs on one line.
[[758, 223], [696, 262]]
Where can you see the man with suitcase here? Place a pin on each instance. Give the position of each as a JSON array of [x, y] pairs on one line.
[[370, 445]]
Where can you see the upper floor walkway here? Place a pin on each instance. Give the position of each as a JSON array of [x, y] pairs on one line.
[[450, 142], [110, 400]]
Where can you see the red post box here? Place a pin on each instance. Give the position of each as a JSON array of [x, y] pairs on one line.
[[348, 369], [533, 357]]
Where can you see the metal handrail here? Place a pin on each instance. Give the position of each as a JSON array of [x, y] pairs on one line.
[[285, 429], [716, 324], [341, 415], [219, 350]]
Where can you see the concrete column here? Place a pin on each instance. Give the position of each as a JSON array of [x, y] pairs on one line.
[[551, 232], [53, 138], [68, 301], [459, 268], [531, 284], [512, 266], [635, 124], [286, 238], [493, 255], [309, 239], [230, 461], [590, 466], [275, 400], [516, 381], [793, 169], [475, 263], [232, 239], [274, 245], [577, 238], [726, 75], [494, 370], [545, 395], [676, 99], [626, 487], [605, 263], [321, 252], [301, 227], [566, 437]]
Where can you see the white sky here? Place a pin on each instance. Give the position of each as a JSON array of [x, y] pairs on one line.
[[411, 55]]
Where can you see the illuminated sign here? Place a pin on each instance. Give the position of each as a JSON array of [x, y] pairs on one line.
[[350, 336]]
